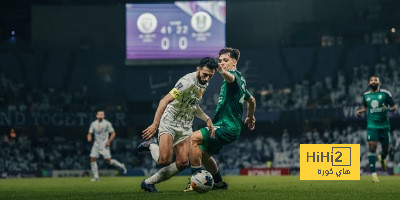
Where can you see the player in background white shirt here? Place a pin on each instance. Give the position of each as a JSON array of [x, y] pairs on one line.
[[174, 120], [101, 128]]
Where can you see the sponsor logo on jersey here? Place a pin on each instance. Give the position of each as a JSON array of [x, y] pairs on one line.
[[375, 105], [179, 86]]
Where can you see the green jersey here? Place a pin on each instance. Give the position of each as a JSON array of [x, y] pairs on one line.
[[230, 105], [377, 117]]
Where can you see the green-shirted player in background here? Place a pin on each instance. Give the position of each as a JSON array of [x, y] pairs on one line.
[[228, 117], [377, 102]]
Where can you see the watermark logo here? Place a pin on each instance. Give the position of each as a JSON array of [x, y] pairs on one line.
[[329, 162]]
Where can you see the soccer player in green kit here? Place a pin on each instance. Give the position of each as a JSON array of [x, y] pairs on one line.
[[377, 102], [228, 117]]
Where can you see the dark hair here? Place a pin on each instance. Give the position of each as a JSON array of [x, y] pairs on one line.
[[373, 75], [208, 62], [233, 53]]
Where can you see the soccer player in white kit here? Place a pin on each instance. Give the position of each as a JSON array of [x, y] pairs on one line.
[[102, 128], [174, 120]]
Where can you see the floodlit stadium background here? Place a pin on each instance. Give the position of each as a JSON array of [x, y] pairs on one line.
[[307, 63]]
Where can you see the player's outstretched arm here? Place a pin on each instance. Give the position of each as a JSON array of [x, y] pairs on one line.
[[149, 132], [202, 115], [225, 74], [361, 111], [251, 108]]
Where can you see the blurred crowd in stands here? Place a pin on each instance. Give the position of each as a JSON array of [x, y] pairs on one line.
[[343, 87], [25, 154], [334, 91], [22, 153], [18, 96], [284, 151]]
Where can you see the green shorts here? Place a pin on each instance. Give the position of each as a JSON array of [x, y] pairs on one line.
[[223, 136], [379, 135]]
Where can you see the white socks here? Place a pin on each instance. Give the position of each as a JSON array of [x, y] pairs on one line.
[[163, 174], [116, 163], [155, 152], [95, 170]]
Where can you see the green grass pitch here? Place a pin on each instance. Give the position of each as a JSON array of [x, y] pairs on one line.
[[240, 187]]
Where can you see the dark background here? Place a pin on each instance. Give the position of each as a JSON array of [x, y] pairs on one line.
[[307, 62]]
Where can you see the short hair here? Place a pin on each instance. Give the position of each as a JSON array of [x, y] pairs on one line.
[[208, 62], [373, 75], [379, 79], [233, 53], [100, 111]]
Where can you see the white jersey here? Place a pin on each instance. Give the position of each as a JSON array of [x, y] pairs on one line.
[[187, 93], [101, 131]]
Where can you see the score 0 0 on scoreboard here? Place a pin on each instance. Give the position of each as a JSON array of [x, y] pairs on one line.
[[178, 30]]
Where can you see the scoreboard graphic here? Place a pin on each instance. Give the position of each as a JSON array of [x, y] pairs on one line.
[[180, 30], [329, 162]]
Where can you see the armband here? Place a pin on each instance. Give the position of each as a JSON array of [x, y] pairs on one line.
[[175, 93]]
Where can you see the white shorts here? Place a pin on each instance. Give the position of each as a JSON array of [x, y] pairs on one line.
[[178, 133], [97, 151]]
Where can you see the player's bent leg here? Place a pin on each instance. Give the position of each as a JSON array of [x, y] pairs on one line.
[[165, 173], [384, 137], [199, 154], [383, 155], [182, 152], [196, 152], [166, 149], [212, 167], [116, 163], [182, 161], [188, 187]]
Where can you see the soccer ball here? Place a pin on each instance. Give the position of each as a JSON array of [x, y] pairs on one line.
[[202, 181]]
